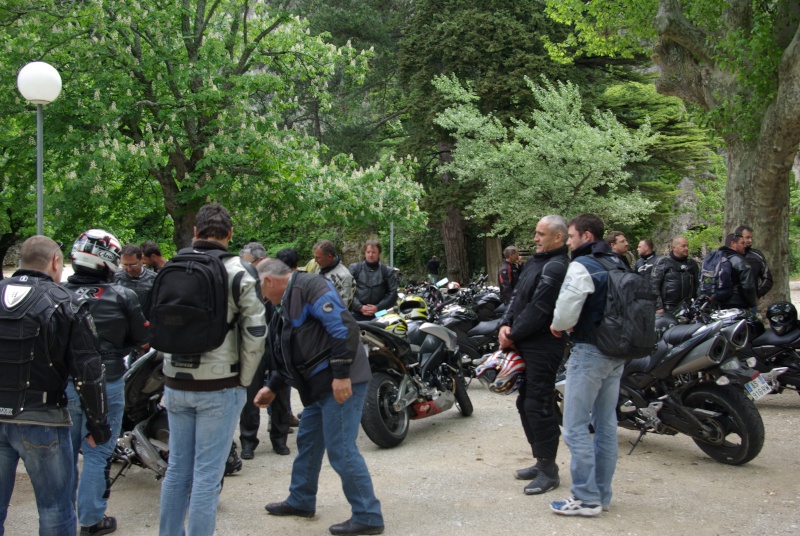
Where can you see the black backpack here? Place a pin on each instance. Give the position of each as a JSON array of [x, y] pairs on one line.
[[189, 303], [628, 327], [716, 276]]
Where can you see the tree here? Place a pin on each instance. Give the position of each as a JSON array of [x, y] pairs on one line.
[[556, 163], [192, 98], [737, 61]]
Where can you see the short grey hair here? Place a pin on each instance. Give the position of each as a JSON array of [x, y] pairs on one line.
[[557, 224], [509, 251], [255, 250], [272, 268]]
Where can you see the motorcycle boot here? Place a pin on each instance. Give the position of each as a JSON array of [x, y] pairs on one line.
[[233, 463], [528, 473], [279, 446], [546, 479]]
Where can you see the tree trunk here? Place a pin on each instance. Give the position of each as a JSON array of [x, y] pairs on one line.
[[455, 248], [494, 257]]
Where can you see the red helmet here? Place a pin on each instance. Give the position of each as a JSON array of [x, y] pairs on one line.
[[503, 372], [453, 287]]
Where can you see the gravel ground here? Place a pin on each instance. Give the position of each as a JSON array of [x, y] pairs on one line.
[[453, 475]]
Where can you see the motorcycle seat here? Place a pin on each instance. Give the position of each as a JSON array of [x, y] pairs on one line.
[[488, 327], [646, 363], [789, 339], [678, 334]]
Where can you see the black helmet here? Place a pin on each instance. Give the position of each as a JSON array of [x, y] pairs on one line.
[[782, 316]]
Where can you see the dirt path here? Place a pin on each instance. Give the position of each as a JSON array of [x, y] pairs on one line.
[[453, 475]]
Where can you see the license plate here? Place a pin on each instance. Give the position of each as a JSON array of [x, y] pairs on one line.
[[758, 388]]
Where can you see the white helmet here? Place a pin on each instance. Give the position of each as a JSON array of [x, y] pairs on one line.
[[96, 252]]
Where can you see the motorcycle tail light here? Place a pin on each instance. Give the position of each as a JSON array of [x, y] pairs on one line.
[[751, 362], [723, 380]]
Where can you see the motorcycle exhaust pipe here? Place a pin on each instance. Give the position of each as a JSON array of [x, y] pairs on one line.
[[439, 404], [146, 451], [737, 334], [406, 394], [707, 354]]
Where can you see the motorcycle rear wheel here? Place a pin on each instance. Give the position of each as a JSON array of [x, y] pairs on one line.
[[738, 432], [462, 397], [383, 425]]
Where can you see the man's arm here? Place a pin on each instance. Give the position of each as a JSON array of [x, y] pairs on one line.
[[252, 329], [86, 370], [657, 281], [766, 276], [390, 298], [576, 288], [537, 313]]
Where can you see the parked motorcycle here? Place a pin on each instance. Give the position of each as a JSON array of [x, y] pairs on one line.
[[476, 338], [144, 440], [412, 378], [694, 384]]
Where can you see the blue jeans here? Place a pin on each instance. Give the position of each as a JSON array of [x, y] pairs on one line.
[[201, 427], [591, 395], [47, 453], [328, 425], [92, 486]]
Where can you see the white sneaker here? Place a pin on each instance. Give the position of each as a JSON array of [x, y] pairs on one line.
[[573, 507]]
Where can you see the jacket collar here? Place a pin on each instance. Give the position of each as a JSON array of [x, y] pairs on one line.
[[552, 253], [32, 273], [207, 244], [596, 249]]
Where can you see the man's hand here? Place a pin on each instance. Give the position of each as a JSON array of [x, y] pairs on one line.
[[555, 332], [368, 310], [342, 389], [264, 397], [659, 310], [502, 337], [89, 439]]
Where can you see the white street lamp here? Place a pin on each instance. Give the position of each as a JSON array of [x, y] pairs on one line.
[[40, 84]]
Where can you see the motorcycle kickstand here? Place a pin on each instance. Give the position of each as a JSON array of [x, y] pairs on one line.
[[636, 443], [124, 469]]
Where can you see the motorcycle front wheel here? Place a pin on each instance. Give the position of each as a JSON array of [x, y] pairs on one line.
[[383, 425], [462, 397], [737, 433]]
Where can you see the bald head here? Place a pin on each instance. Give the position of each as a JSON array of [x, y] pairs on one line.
[[43, 254], [680, 247]]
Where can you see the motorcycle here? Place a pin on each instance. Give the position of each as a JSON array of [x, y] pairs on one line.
[[476, 339], [694, 384], [412, 378], [144, 439]]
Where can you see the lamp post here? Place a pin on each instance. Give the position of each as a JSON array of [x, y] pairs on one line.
[[40, 84]]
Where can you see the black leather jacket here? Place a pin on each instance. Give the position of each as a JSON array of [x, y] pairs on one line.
[[507, 278], [531, 309], [644, 265], [121, 327], [375, 285], [673, 280], [142, 286], [744, 284], [58, 341], [761, 274]]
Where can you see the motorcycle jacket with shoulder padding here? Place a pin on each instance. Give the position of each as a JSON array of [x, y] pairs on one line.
[[121, 326], [531, 309], [674, 280], [46, 336]]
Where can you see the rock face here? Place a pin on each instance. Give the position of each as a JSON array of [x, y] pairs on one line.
[[11, 260]]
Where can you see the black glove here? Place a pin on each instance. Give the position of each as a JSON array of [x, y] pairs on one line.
[[100, 432]]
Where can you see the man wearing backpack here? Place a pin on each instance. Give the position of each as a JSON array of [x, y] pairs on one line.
[[726, 278], [592, 377], [46, 335], [376, 285], [205, 388], [526, 326]]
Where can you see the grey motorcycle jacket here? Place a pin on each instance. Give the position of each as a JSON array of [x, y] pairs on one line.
[[46, 336], [142, 286], [121, 326]]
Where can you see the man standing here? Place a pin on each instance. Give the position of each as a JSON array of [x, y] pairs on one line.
[[52, 338], [121, 327], [433, 267], [526, 326], [376, 285], [135, 276], [317, 349], [592, 378], [205, 393], [647, 258], [735, 288], [619, 245], [675, 277], [330, 265], [152, 257], [508, 273], [757, 261]]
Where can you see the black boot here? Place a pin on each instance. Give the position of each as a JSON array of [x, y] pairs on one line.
[[546, 479], [529, 473], [279, 446], [234, 463]]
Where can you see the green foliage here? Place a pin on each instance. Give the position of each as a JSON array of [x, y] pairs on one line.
[[556, 163]]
